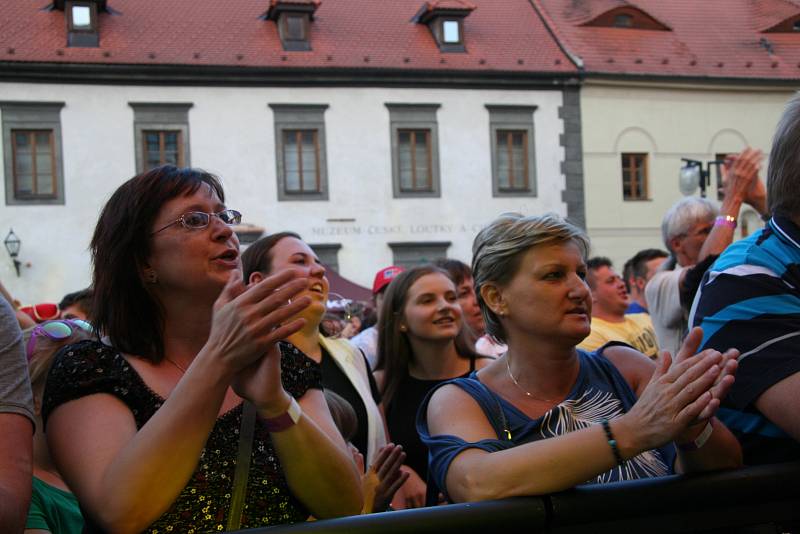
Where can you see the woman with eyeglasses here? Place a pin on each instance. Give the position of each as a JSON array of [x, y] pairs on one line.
[[54, 508], [547, 416], [145, 424]]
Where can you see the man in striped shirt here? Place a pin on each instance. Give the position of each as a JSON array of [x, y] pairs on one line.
[[750, 299]]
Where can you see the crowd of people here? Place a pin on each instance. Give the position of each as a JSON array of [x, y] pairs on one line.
[[194, 388]]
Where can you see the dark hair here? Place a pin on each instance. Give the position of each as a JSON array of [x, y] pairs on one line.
[[592, 264], [636, 267], [256, 258], [123, 307], [394, 349], [342, 413], [458, 270], [82, 299]]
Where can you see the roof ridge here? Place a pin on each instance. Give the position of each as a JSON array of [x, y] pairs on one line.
[[556, 34]]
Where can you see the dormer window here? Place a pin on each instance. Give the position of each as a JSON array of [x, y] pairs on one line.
[[628, 17], [81, 17], [623, 21], [293, 18], [445, 18], [787, 25], [451, 31]]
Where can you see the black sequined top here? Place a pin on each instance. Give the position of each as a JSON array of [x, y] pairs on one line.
[[91, 367]]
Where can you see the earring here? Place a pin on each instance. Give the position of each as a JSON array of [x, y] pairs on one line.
[[151, 277], [402, 328]]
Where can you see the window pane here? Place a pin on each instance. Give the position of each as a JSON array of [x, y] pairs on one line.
[[421, 159], [43, 141], [81, 16], [171, 148], [295, 28], [450, 30], [404, 159], [291, 161], [623, 21], [634, 176], [518, 178], [44, 165], [503, 160], [23, 159], [151, 140], [640, 178], [21, 138], [309, 160]]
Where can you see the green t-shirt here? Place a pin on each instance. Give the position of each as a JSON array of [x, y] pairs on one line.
[[53, 509]]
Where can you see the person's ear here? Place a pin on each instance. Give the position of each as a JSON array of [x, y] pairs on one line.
[[639, 282], [255, 277], [494, 299], [675, 244]]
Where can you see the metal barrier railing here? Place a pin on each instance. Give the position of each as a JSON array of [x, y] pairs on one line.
[[765, 497]]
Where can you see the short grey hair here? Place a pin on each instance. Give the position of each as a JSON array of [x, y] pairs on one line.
[[498, 249], [684, 214], [783, 174]]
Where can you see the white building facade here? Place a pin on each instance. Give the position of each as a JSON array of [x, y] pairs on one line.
[[231, 131]]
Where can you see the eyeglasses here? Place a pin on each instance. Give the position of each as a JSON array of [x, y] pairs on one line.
[[195, 220], [55, 330]]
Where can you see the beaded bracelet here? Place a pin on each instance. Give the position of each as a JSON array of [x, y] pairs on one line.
[[612, 442], [725, 220]]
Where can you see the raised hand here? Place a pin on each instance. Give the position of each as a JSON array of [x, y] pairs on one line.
[[384, 477], [247, 322], [678, 395], [724, 380], [740, 177]]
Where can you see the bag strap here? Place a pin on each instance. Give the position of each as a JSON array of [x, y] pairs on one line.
[[240, 476]]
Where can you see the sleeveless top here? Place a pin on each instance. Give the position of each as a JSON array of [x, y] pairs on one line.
[[91, 367], [600, 392], [401, 416]]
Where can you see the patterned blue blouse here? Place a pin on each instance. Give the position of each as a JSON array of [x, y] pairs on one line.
[[600, 392]]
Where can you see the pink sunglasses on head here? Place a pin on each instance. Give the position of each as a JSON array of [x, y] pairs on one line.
[[55, 330]]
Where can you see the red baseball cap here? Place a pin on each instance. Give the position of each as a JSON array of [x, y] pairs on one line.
[[384, 276]]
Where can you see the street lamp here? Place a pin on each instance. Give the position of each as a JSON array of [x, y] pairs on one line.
[[692, 175], [13, 244]]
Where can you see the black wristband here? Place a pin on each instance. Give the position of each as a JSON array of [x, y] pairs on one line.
[[612, 442]]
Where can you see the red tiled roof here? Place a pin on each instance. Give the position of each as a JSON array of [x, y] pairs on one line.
[[502, 35], [768, 14], [582, 12], [711, 38], [450, 4], [273, 3]]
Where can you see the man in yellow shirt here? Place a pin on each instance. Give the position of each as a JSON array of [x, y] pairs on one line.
[[610, 299]]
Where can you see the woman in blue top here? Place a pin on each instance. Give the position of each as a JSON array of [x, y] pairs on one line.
[[547, 416]]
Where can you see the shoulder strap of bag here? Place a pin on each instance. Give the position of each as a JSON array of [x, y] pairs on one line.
[[246, 433]]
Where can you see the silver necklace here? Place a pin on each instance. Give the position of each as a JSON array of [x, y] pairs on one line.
[[180, 368], [526, 392]]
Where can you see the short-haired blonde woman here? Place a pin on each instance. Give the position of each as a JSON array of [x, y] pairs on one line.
[[547, 416]]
